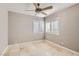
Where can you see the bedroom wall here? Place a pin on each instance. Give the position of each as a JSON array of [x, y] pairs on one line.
[[20, 28], [68, 29], [3, 29]]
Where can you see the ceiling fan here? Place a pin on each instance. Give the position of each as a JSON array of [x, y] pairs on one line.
[[40, 10]]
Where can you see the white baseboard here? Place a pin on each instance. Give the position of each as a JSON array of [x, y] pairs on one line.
[[4, 51], [63, 47]]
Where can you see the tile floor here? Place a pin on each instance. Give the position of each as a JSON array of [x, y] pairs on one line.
[[38, 48]]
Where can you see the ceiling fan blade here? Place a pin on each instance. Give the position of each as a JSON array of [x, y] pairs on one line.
[[46, 8], [35, 4], [44, 13]]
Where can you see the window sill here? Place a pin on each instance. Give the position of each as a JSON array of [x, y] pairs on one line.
[[52, 33]]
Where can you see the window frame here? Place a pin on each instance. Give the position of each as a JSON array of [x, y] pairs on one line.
[[52, 27], [40, 29]]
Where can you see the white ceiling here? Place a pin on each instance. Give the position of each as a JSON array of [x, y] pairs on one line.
[[21, 7]]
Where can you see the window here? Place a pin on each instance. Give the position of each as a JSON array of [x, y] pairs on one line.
[[41, 26], [38, 26], [47, 26], [55, 26], [35, 26], [52, 26]]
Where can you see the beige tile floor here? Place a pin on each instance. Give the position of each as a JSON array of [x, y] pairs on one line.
[[38, 48]]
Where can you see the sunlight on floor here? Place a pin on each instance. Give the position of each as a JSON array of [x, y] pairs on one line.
[[37, 48]]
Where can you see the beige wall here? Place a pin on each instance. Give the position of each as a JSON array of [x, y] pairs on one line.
[[20, 28], [3, 29], [69, 28]]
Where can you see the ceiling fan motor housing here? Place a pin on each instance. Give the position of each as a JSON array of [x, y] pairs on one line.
[[38, 10]]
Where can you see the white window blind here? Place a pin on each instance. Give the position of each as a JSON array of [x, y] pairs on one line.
[[38, 26], [55, 26], [47, 26]]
